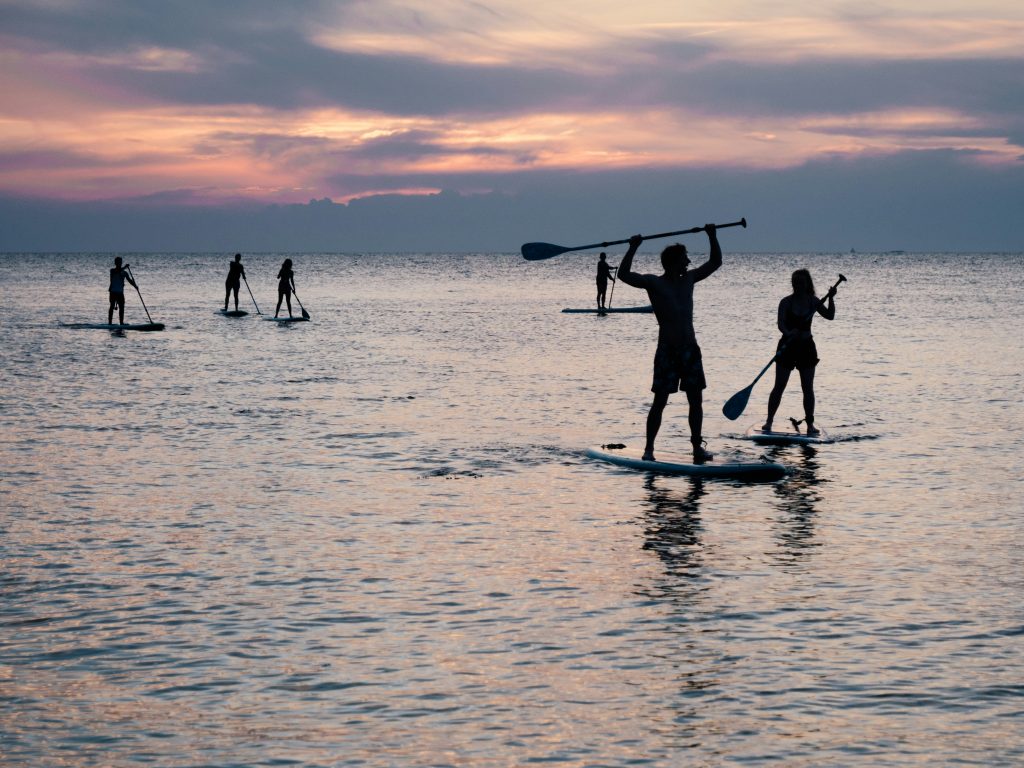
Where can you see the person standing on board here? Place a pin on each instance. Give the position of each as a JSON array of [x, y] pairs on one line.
[[235, 274], [285, 286], [118, 274], [677, 361], [796, 348], [604, 272]]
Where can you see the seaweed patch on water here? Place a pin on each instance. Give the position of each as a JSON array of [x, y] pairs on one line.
[[449, 473], [834, 438], [312, 380]]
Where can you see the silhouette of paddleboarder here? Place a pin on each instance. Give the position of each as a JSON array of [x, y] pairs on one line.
[[604, 273], [118, 274], [285, 286], [235, 274], [796, 348], [677, 361]]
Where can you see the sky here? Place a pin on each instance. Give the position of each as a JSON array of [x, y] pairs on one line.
[[455, 125]]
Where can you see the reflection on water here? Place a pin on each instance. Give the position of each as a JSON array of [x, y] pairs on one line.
[[797, 501], [672, 526]]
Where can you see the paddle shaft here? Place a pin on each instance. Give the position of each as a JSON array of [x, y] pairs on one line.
[[690, 231], [305, 314], [539, 251], [251, 296], [136, 284]]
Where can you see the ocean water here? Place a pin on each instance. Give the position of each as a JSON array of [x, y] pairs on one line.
[[373, 539]]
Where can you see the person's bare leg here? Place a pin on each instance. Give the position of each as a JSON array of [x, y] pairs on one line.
[[654, 423], [807, 384], [775, 398], [695, 398]]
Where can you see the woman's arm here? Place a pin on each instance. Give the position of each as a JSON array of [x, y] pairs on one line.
[[783, 328], [827, 308]]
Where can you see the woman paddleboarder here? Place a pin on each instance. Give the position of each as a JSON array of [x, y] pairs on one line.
[[796, 348], [285, 286]]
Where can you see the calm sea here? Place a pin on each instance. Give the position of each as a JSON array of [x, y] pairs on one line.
[[373, 539]]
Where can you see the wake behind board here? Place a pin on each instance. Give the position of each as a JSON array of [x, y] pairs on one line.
[[116, 327], [296, 319], [792, 437], [231, 312], [754, 471], [612, 310]]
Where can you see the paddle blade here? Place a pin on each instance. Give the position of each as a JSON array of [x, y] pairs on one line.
[[539, 251], [735, 405]]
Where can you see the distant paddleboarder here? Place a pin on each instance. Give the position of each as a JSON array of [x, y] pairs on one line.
[[796, 348], [285, 286], [604, 273], [236, 273], [118, 274], [677, 362]]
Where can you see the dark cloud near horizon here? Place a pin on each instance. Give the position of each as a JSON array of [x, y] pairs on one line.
[[915, 201]]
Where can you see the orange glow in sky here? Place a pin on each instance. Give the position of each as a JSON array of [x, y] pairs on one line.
[[408, 96]]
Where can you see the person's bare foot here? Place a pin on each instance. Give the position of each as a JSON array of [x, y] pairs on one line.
[[701, 456]]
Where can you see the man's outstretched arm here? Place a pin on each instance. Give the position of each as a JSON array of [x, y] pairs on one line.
[[715, 259], [625, 271]]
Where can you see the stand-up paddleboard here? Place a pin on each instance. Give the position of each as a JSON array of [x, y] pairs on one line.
[[790, 437], [754, 471], [231, 312], [611, 310], [295, 319], [116, 326]]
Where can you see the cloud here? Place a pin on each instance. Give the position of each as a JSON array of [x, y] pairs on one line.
[[920, 201], [282, 101]]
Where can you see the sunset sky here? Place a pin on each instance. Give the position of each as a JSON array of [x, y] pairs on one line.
[[506, 107]]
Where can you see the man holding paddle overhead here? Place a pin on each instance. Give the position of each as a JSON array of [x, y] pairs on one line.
[[677, 362]]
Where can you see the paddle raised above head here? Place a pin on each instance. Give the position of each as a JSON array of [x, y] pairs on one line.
[[541, 251]]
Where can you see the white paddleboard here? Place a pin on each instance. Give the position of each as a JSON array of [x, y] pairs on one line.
[[783, 437], [117, 327], [295, 319], [231, 312], [667, 464]]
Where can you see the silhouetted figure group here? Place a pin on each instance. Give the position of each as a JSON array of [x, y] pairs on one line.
[[120, 273], [678, 363]]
